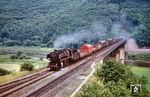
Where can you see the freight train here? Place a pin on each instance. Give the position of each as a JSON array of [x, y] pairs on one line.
[[61, 58]]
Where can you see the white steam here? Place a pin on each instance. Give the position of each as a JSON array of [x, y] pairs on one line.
[[98, 32], [119, 30]]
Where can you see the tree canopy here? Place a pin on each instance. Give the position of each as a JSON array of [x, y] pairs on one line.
[[40, 23]]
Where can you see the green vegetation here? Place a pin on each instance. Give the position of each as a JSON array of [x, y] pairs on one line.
[[39, 23], [14, 64], [17, 64], [12, 58], [19, 55], [25, 49], [28, 51], [142, 71], [145, 56], [13, 67], [113, 80], [4, 72], [27, 66], [113, 71], [95, 89], [12, 76]]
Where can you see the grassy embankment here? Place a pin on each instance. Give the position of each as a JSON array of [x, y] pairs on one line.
[[13, 65], [93, 84], [142, 71], [144, 56]]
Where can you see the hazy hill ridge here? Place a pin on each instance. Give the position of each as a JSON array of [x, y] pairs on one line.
[[41, 22]]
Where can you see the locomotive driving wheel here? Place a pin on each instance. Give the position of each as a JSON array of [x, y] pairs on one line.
[[65, 63]]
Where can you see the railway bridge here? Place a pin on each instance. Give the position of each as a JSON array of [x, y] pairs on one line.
[[115, 51], [67, 81]]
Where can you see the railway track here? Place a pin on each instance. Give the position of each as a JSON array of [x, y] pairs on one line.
[[57, 81], [63, 77], [54, 80], [11, 87]]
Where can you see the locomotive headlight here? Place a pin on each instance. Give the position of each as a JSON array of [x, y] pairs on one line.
[[49, 60]]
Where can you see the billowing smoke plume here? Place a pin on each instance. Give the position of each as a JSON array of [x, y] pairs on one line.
[[119, 30], [96, 31]]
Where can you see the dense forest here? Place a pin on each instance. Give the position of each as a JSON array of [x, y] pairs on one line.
[[50, 22]]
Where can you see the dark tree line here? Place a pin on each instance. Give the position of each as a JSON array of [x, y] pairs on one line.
[[39, 23]]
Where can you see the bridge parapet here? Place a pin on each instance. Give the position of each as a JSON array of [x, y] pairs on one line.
[[116, 52]]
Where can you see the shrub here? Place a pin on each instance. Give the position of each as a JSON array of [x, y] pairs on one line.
[[113, 71], [27, 66], [41, 58], [13, 57], [118, 78], [118, 89], [95, 89], [19, 53], [22, 57], [4, 72]]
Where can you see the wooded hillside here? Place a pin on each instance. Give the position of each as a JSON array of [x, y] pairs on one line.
[[42, 22]]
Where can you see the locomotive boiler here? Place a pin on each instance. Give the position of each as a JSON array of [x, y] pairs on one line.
[[62, 58]]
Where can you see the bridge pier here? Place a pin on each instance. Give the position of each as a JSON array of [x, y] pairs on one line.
[[117, 57], [117, 53], [122, 54], [101, 61]]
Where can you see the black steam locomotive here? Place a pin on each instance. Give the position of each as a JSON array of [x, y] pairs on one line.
[[62, 58]]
